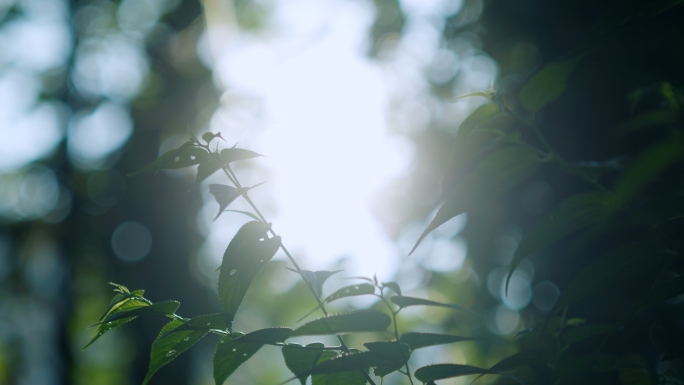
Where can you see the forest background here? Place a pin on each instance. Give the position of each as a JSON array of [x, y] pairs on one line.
[[354, 105]]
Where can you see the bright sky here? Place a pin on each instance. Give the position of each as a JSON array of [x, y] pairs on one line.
[[324, 132]]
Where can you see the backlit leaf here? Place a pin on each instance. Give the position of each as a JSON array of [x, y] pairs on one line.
[[496, 174], [301, 359], [166, 349], [224, 195], [572, 214], [164, 308], [316, 278], [184, 156], [547, 84], [246, 254], [351, 291], [420, 340], [205, 170], [121, 307], [526, 358], [220, 321], [361, 321], [231, 353], [394, 286]]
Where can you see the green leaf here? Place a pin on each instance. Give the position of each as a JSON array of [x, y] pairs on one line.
[[351, 291], [347, 291], [618, 264], [184, 156], [124, 306], [528, 358], [646, 119], [249, 250], [572, 214], [166, 349], [403, 301], [301, 360], [219, 321], [361, 361], [476, 119], [421, 340], [395, 353], [575, 334], [230, 155], [547, 84], [442, 371], [649, 164], [342, 378], [231, 353], [392, 285], [496, 174], [361, 321], [164, 308]]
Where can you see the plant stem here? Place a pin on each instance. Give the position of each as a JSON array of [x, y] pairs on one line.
[[233, 178]]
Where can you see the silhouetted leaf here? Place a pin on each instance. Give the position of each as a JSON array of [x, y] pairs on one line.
[[358, 361], [301, 360], [316, 278], [166, 349], [361, 321], [420, 340], [341, 378], [618, 264], [224, 195], [496, 174], [247, 213], [572, 214], [249, 250], [394, 354], [527, 358], [403, 301], [547, 84], [230, 155], [649, 164], [442, 371], [184, 156], [394, 286], [205, 170]]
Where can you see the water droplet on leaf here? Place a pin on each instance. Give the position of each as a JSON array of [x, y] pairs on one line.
[[177, 159], [170, 353], [186, 338], [233, 272]]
